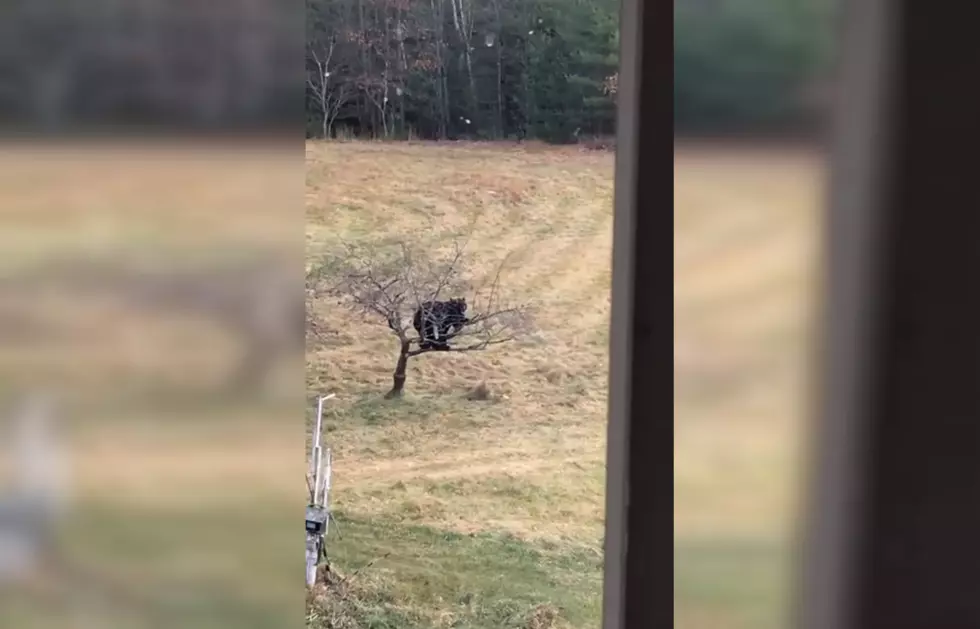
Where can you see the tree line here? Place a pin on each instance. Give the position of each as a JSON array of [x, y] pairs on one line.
[[751, 63], [104, 66], [547, 69], [461, 69]]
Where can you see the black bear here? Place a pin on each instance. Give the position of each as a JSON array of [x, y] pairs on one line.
[[438, 321]]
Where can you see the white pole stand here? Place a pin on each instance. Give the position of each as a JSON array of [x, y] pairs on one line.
[[317, 513]]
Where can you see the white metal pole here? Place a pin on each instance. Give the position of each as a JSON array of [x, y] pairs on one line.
[[317, 464], [317, 449], [326, 491], [319, 421], [321, 489], [311, 561]]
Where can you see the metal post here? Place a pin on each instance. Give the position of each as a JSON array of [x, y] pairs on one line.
[[325, 499], [317, 512], [316, 449]]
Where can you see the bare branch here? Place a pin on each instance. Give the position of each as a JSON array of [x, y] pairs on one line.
[[389, 285], [406, 290], [331, 92]]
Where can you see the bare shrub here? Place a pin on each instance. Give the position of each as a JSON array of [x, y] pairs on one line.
[[389, 285]]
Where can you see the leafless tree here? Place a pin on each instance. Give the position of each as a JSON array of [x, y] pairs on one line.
[[610, 86], [389, 285], [332, 93], [463, 21], [377, 91]]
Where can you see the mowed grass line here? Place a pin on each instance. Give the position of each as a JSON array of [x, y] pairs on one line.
[[450, 488], [441, 578], [488, 509]]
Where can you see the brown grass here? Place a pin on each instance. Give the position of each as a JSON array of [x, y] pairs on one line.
[[531, 462], [553, 211], [149, 483], [528, 461], [98, 197], [745, 247]]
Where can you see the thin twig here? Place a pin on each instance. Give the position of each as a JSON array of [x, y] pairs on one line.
[[392, 288]]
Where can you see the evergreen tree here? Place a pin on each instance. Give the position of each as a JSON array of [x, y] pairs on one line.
[[546, 69]]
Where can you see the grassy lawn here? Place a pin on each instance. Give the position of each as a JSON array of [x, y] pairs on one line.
[[184, 503], [452, 513], [457, 513], [478, 513], [745, 246]]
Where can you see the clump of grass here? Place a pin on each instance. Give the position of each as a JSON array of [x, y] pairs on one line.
[[365, 599], [355, 603], [545, 616], [479, 393]]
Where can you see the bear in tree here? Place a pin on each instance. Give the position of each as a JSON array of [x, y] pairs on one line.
[[436, 322]]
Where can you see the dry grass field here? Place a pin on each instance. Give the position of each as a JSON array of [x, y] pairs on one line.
[[183, 501], [746, 238], [486, 508], [456, 513]]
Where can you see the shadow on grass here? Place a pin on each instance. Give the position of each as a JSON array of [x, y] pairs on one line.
[[371, 409]]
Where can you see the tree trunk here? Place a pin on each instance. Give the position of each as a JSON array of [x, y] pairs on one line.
[[403, 72], [367, 120], [527, 84], [469, 71], [467, 38], [333, 118], [443, 77], [463, 24], [437, 26], [398, 378], [500, 71]]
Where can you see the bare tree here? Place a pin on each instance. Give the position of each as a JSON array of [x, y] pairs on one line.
[[332, 93], [463, 21], [389, 286], [610, 86], [442, 84], [496, 38], [377, 91]]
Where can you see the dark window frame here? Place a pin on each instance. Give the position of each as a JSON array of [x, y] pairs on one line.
[[892, 531]]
